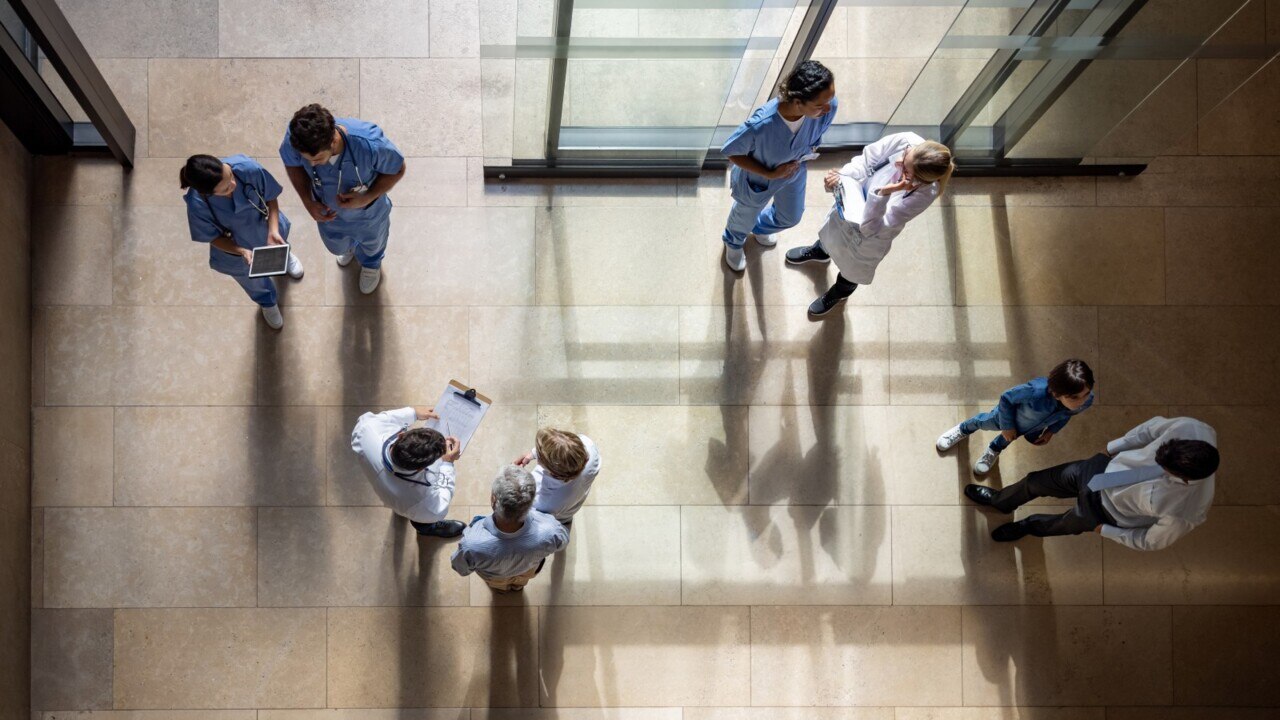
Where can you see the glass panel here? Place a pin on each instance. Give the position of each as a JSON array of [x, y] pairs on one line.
[[1141, 83], [643, 80]]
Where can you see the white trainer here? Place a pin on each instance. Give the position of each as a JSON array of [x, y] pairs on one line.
[[765, 240], [948, 439], [986, 462], [736, 259], [295, 268], [273, 317], [369, 279], [345, 258]]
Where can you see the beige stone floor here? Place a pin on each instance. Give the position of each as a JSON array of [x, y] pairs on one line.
[[773, 530]]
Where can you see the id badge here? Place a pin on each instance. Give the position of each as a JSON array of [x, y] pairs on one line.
[[359, 189]]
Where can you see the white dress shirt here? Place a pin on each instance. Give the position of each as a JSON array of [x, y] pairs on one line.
[[562, 498], [421, 496], [1151, 515]]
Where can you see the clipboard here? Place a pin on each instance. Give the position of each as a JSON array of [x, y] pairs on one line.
[[460, 409], [851, 199]]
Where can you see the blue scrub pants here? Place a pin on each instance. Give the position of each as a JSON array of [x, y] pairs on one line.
[[367, 236], [750, 214], [990, 420], [260, 290]]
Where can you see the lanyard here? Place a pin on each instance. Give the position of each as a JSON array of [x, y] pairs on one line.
[[386, 463], [315, 174], [262, 209]]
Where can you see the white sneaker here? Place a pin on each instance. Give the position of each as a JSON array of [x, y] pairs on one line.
[[273, 317], [295, 267], [369, 279], [735, 259], [765, 240], [345, 258], [948, 439], [986, 462]]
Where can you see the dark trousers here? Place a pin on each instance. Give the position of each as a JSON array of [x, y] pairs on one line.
[[1061, 481]]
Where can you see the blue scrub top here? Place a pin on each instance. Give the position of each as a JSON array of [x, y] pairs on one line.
[[243, 215], [766, 137], [367, 154]]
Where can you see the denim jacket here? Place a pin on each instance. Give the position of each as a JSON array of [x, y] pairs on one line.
[[1029, 407]]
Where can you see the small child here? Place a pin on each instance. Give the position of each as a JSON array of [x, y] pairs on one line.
[[1037, 410], [567, 464]]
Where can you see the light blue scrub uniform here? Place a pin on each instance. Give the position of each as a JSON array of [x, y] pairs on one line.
[[766, 138], [243, 217], [366, 155]]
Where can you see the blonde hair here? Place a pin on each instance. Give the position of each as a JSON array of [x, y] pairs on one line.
[[934, 163], [561, 453]]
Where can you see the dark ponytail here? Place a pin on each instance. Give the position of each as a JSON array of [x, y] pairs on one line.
[[809, 80], [202, 172]]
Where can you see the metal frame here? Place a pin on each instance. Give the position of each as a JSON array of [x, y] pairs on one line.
[[113, 130], [807, 38], [28, 106]]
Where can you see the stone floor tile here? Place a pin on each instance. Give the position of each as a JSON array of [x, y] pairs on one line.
[[217, 658], [351, 556], [687, 455], [1189, 713], [405, 96], [1145, 358], [1021, 192], [383, 356], [162, 356], [1025, 655], [381, 28], [37, 557], [576, 355], [67, 180], [1226, 561], [1195, 182], [945, 556], [794, 555], [1220, 256], [603, 657], [247, 456], [448, 257], [153, 557], [144, 28], [368, 714], [1218, 653], [616, 556], [441, 657], [455, 28], [777, 356], [1002, 713], [224, 107], [432, 182], [784, 713], [150, 715], [71, 246], [968, 355], [72, 456], [1064, 256], [855, 656], [71, 659], [577, 714], [1239, 116]]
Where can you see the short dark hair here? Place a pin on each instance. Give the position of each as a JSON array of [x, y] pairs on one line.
[[1070, 377], [417, 449], [809, 80], [311, 129], [202, 172], [1189, 459]]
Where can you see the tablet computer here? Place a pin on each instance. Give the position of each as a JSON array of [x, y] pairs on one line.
[[269, 260]]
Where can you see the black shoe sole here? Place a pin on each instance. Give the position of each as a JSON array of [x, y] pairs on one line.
[[807, 260]]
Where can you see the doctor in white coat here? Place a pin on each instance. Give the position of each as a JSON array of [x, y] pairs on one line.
[[893, 180]]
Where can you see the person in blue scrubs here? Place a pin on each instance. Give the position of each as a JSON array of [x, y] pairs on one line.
[[769, 152], [232, 205], [343, 169]]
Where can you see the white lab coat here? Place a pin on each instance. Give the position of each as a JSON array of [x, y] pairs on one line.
[[858, 245], [425, 496]]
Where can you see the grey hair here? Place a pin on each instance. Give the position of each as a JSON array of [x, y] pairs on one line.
[[513, 491]]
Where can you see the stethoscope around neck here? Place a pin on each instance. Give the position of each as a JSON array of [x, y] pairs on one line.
[[315, 174], [386, 462], [260, 206]]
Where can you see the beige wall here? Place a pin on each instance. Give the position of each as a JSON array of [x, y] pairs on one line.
[[15, 428]]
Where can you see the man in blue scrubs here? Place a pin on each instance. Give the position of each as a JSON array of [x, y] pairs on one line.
[[343, 169]]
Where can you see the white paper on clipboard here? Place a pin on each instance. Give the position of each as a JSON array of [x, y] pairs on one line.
[[853, 199], [459, 416]]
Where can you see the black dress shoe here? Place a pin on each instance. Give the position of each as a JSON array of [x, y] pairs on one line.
[[1009, 532], [980, 494], [443, 528], [806, 254]]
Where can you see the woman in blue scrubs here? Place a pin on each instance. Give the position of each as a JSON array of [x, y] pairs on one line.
[[231, 204], [343, 169], [769, 152]]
